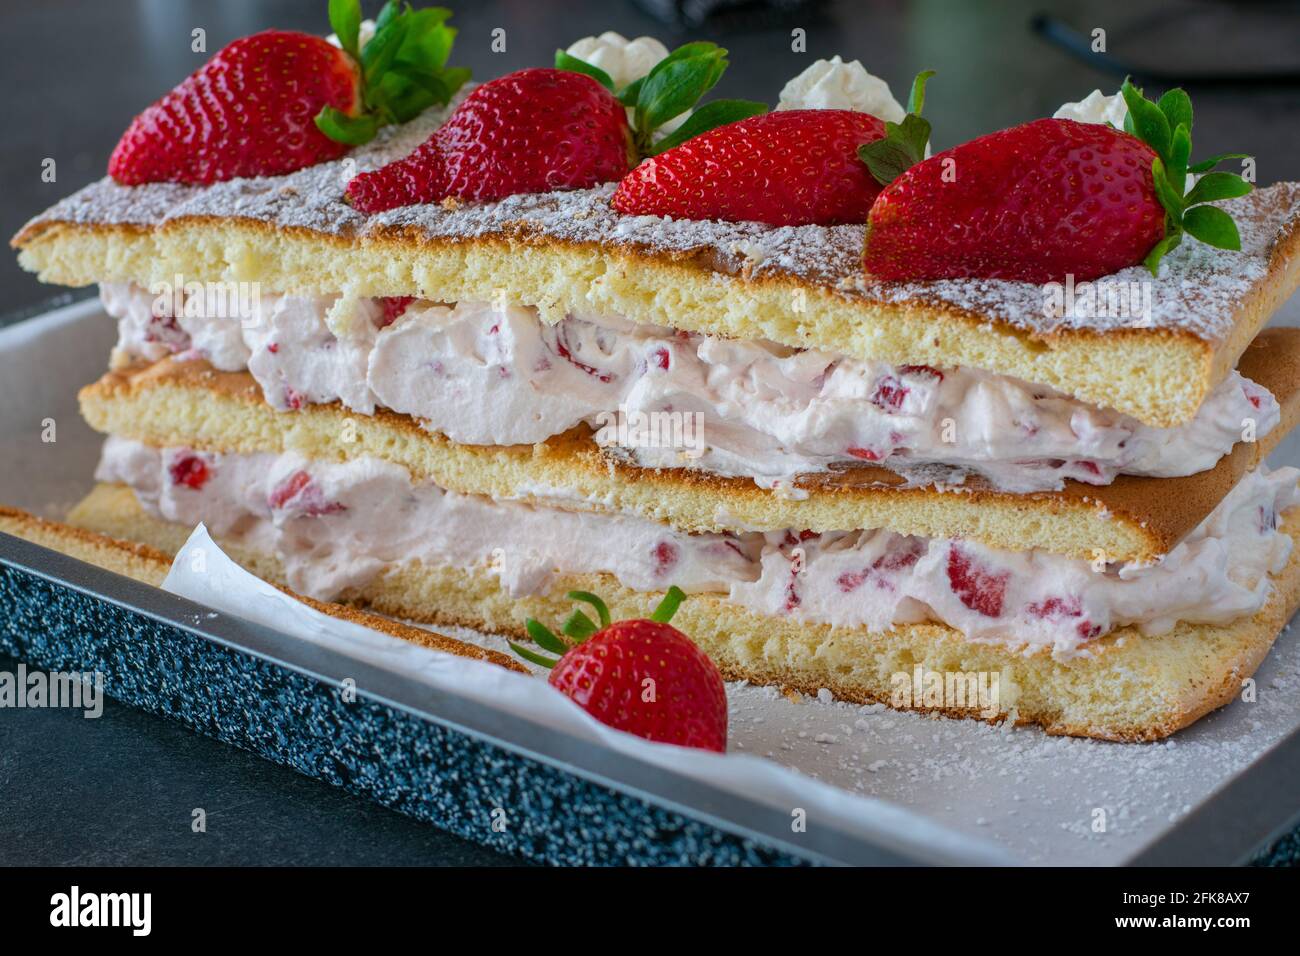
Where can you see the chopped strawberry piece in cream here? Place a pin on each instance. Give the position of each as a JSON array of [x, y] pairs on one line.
[[1055, 607], [394, 307], [852, 580], [732, 546], [1267, 520], [792, 598], [866, 454], [288, 489], [883, 568], [305, 497], [978, 588], [190, 471], [791, 539], [921, 370], [666, 556], [166, 330], [892, 561], [889, 394], [562, 349]]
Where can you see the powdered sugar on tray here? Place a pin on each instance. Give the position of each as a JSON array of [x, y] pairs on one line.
[[1198, 291], [1048, 800]]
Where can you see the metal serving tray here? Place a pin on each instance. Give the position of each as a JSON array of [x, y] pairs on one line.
[[450, 760]]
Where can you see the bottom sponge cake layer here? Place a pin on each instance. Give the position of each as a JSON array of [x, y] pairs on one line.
[[1133, 687]]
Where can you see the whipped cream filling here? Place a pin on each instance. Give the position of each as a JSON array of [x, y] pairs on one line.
[[336, 526], [500, 376], [1033, 599]]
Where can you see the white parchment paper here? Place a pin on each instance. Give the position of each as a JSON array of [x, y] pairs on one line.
[[220, 583]]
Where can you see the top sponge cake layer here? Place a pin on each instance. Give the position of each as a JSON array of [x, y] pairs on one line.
[[569, 252]]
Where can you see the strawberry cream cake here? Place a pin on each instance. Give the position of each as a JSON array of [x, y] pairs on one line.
[[453, 352]]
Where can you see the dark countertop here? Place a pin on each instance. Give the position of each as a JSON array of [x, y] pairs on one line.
[[120, 790]]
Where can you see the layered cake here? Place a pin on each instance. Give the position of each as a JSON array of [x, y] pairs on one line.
[[424, 376]]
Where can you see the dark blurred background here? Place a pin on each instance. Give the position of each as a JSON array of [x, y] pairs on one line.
[[76, 71]]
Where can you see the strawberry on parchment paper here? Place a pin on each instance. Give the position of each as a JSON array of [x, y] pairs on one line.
[[641, 676]]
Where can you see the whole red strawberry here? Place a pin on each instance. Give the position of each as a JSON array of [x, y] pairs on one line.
[[249, 111], [540, 130], [530, 131], [787, 168], [1033, 203], [641, 676], [278, 101], [1052, 198]]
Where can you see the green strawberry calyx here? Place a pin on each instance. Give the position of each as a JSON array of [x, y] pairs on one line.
[[402, 70], [1166, 126], [579, 626], [671, 88], [903, 145]]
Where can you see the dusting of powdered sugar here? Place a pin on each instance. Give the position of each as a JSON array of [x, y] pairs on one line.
[[1044, 799], [1198, 291]]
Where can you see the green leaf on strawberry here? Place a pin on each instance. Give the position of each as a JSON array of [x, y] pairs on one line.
[[1213, 186], [402, 71], [566, 61], [1205, 165], [345, 18], [1213, 226], [1177, 107], [579, 626], [641, 676], [342, 128], [707, 117], [1166, 126], [903, 145], [673, 87]]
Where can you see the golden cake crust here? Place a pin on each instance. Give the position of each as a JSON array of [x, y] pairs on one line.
[[800, 286]]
